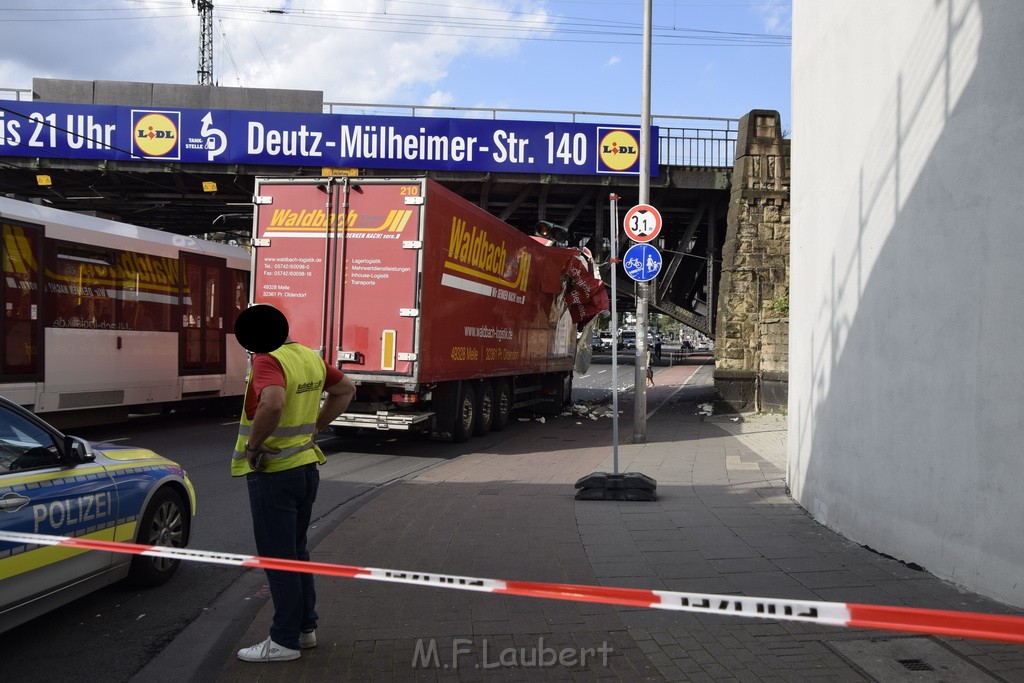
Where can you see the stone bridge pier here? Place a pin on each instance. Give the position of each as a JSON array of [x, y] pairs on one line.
[[752, 323]]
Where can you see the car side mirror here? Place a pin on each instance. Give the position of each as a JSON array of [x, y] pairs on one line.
[[78, 450]]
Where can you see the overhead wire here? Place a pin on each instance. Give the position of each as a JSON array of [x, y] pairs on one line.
[[259, 46], [226, 48], [506, 25], [513, 28]]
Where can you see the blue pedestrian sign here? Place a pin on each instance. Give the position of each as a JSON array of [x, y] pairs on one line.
[[642, 262]]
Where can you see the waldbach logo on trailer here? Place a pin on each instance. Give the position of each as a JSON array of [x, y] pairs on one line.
[[485, 259]]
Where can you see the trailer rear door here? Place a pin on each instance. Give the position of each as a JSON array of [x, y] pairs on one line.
[[290, 256], [378, 308], [341, 259]]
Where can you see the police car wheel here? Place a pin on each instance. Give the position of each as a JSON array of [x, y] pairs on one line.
[[167, 522]]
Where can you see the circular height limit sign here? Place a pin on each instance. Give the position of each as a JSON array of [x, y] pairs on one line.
[[642, 223]]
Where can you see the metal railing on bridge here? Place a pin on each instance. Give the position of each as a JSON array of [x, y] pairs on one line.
[[703, 141]]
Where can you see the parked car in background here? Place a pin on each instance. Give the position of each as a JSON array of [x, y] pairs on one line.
[[628, 339], [63, 486]]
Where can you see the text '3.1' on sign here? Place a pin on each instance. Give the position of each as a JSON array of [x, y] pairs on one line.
[[642, 262], [642, 223]]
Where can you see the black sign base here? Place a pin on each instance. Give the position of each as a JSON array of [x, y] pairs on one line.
[[623, 486]]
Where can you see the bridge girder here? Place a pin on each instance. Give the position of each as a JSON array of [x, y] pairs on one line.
[[171, 197]]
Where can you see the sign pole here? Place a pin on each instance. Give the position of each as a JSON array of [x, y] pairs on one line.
[[614, 207], [642, 263]]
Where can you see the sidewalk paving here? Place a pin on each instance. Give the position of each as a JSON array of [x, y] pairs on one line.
[[723, 523]]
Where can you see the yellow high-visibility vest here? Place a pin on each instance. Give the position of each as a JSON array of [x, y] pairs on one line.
[[304, 374]]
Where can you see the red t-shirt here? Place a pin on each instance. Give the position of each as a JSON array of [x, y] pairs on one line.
[[267, 371]]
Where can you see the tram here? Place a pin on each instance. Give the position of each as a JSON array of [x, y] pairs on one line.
[[103, 319]]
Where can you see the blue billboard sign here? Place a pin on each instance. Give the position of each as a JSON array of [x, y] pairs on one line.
[[642, 262], [80, 131]]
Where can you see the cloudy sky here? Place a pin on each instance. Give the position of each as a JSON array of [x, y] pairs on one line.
[[716, 58]]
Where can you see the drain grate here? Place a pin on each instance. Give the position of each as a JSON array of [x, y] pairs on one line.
[[916, 665], [891, 660]]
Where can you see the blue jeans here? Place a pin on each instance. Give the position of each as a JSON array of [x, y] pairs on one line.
[[282, 504]]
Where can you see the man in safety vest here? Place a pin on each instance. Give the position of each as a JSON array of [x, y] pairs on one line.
[[276, 453]]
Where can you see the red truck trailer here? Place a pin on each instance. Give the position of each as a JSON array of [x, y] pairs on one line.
[[445, 317]]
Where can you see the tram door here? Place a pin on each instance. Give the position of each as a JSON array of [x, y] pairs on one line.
[[21, 322], [204, 298]]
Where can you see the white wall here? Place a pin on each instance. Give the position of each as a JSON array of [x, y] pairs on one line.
[[906, 387]]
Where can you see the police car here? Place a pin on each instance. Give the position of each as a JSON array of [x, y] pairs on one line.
[[63, 486]]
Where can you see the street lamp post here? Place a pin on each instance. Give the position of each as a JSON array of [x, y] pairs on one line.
[[643, 288]]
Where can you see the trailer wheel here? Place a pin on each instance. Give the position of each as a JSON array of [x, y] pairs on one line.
[[502, 405], [465, 414], [484, 409]]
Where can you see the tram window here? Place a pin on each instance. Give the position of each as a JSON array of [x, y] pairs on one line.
[[239, 285], [192, 313], [80, 287], [202, 312], [149, 292], [20, 297], [214, 293]]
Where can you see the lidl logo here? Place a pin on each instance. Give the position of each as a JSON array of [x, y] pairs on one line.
[[155, 134], [618, 150]]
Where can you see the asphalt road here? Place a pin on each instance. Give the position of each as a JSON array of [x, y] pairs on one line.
[[596, 383]]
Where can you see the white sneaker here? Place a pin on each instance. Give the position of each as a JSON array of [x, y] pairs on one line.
[[268, 651], [307, 639]]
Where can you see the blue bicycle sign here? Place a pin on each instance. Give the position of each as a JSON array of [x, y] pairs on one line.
[[642, 262]]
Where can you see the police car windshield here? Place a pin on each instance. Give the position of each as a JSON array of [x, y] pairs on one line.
[[18, 436]]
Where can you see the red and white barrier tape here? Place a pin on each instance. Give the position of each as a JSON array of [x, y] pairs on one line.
[[1001, 628]]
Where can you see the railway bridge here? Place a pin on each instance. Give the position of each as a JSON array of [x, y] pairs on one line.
[[721, 185]]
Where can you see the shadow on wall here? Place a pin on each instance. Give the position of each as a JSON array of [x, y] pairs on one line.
[[912, 407]]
